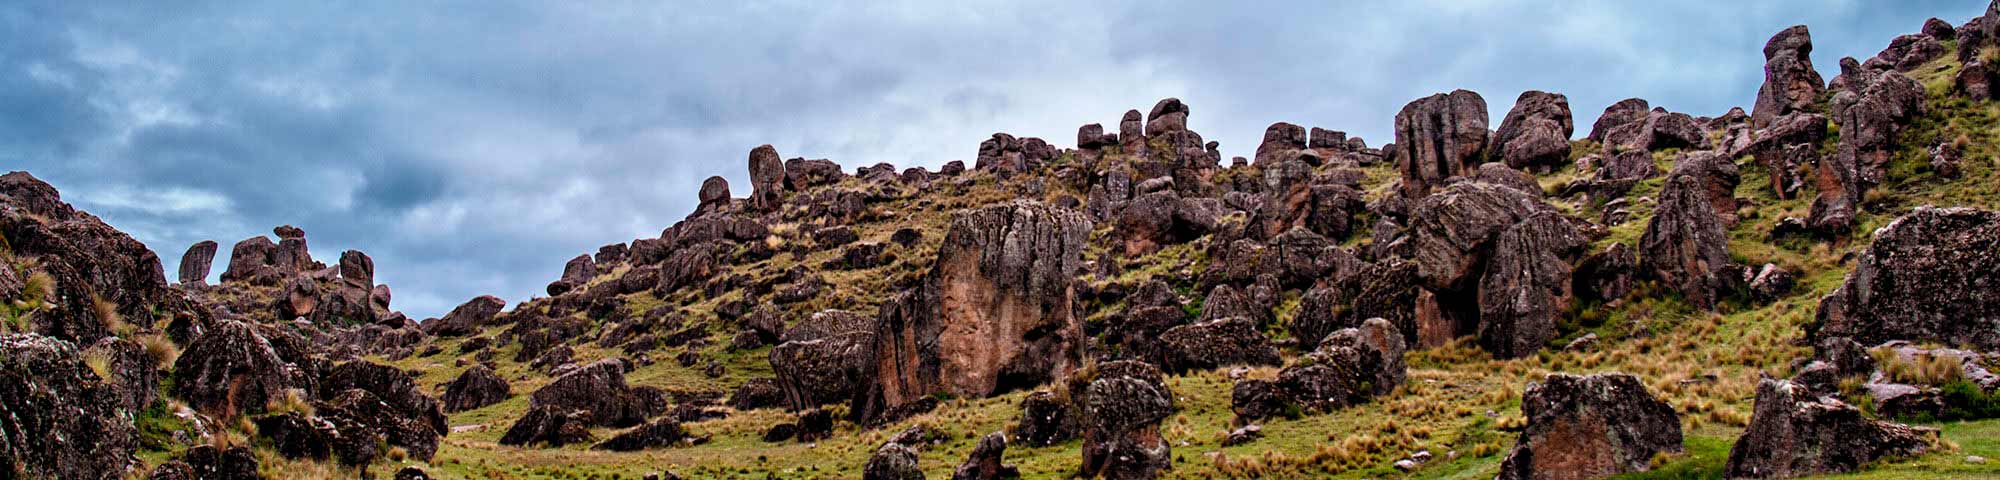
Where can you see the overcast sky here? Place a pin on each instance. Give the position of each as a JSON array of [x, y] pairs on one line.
[[471, 148]]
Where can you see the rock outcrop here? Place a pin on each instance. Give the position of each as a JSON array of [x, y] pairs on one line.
[[1685, 244], [196, 262], [1794, 433], [230, 369], [1926, 277], [1591, 427], [1120, 406], [600, 389], [1790, 82], [1439, 137], [89, 261], [767, 178], [477, 387], [1868, 127], [996, 313], [824, 359], [467, 318], [1535, 133]]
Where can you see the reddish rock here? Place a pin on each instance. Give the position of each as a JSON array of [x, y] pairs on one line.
[[196, 262], [1790, 83], [1440, 136], [1794, 433], [1591, 427], [1535, 133], [767, 177], [1924, 278]]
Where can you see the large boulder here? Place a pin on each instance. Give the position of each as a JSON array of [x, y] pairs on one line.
[[984, 463], [1282, 141], [477, 387], [1658, 130], [997, 312], [1795, 433], [1790, 82], [1630, 110], [393, 386], [1785, 147], [767, 178], [1045, 420], [714, 194], [1439, 137], [195, 263], [1591, 427], [549, 425], [230, 369], [90, 262], [132, 374], [1120, 406], [893, 461], [1526, 287], [1685, 244], [1535, 133], [1927, 277], [599, 388], [664, 432], [1214, 343], [57, 418], [824, 358], [368, 422], [467, 318]]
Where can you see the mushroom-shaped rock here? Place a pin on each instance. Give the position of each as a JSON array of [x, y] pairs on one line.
[[1591, 427], [1795, 433], [196, 262], [1439, 137]]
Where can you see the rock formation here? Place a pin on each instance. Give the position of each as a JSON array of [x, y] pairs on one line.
[[1439, 137], [1591, 427]]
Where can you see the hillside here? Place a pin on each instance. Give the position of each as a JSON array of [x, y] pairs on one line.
[[1798, 289]]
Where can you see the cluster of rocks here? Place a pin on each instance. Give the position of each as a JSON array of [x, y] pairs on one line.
[[1349, 367], [896, 459]]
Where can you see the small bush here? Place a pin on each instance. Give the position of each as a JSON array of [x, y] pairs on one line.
[[1964, 400]]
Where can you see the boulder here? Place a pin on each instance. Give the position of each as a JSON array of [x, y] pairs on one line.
[[366, 424], [997, 312], [1790, 82], [297, 436], [1440, 136], [549, 425], [824, 358], [1630, 110], [664, 432], [1685, 244], [230, 369], [134, 375], [1868, 131], [599, 388], [1121, 405], [1794, 433], [1282, 141], [477, 387], [714, 194], [196, 262], [1785, 147], [1535, 133], [893, 461], [1591, 427], [757, 393], [206, 462], [1659, 130], [1526, 287], [395, 389], [984, 463], [1926, 277], [767, 178], [467, 318], [1215, 343], [58, 419], [1045, 420], [802, 174]]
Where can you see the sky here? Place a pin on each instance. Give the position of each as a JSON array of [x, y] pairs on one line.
[[472, 147]]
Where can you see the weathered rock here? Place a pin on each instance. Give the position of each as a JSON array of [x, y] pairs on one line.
[[206, 462], [1045, 420], [297, 436], [230, 369], [714, 194], [997, 312], [664, 432], [1793, 433], [1868, 131], [477, 387], [57, 418], [984, 463], [767, 177], [1606, 275], [1627, 111], [1659, 130], [1787, 146], [1685, 245], [468, 318], [1535, 133], [1254, 399], [548, 425], [893, 461], [1926, 277], [1120, 411], [1440, 136], [89, 261], [133, 375], [196, 262], [1501, 174], [599, 388], [1591, 427], [1282, 141], [1526, 286], [757, 393], [1381, 349], [824, 359], [1790, 83], [395, 389], [1215, 343]]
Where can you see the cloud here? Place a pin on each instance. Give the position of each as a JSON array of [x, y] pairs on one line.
[[472, 147]]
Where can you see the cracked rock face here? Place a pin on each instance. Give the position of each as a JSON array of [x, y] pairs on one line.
[[1927, 277], [1793, 433], [1439, 137], [1590, 427], [1535, 133], [57, 418]]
